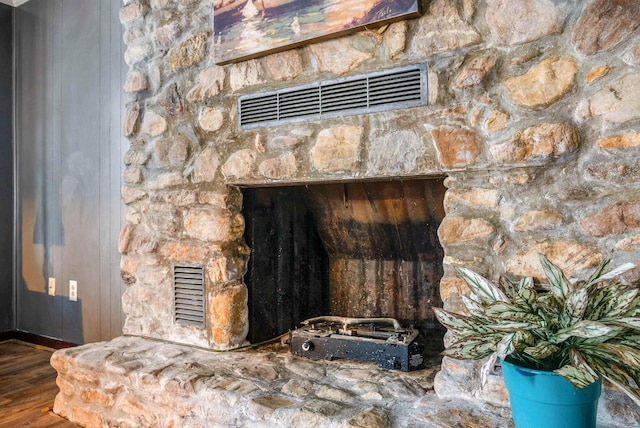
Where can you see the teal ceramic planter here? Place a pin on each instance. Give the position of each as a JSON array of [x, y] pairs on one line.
[[545, 399]]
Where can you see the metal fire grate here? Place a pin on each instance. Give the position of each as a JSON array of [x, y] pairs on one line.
[[391, 89], [188, 291]]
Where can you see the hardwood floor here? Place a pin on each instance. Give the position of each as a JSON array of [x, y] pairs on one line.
[[27, 387]]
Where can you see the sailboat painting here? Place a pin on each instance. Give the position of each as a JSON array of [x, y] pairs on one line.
[[245, 29]]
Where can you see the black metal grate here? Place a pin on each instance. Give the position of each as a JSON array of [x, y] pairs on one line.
[[188, 292], [396, 88]]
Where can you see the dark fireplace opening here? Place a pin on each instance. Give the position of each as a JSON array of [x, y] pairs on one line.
[[353, 249]]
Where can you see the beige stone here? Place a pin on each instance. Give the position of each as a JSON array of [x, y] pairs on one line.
[[131, 12], [570, 256], [132, 35], [605, 23], [519, 21], [130, 122], [395, 39], [497, 121], [442, 29], [338, 56], [210, 84], [477, 197], [262, 408], [453, 286], [280, 168], [632, 55], [613, 220], [454, 230], [171, 152], [188, 52], [132, 175], [211, 119], [137, 53], [474, 71], [135, 81], [543, 84], [395, 153], [285, 65], [171, 100], [244, 74], [597, 73], [617, 102], [153, 124], [179, 197], [124, 239], [337, 149], [206, 166], [283, 142], [240, 164], [166, 180], [132, 194], [631, 243], [538, 219], [166, 35], [164, 219], [457, 147], [210, 225], [540, 141], [228, 310], [617, 142]]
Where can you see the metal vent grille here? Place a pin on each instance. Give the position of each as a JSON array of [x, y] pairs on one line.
[[378, 91], [188, 291]]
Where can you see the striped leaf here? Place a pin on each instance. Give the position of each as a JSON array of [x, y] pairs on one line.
[[473, 307], [623, 302], [633, 323], [513, 342], [579, 377], [542, 350], [487, 367], [481, 287], [597, 273], [511, 326], [560, 285], [508, 311], [616, 272], [584, 328], [625, 354], [616, 375], [472, 347], [509, 287], [526, 292], [575, 307]]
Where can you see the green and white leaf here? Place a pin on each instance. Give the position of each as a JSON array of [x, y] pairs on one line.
[[511, 326], [578, 376], [473, 307], [626, 354], [633, 323], [616, 272], [597, 273], [487, 367], [575, 306], [483, 288], [472, 347], [542, 350], [560, 285], [623, 302], [584, 328], [513, 342], [455, 321], [508, 311]]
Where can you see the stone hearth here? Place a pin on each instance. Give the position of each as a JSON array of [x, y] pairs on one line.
[[532, 121]]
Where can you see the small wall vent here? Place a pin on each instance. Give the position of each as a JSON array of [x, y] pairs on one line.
[[391, 89], [188, 292]]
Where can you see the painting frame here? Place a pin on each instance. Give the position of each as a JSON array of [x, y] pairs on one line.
[[247, 29]]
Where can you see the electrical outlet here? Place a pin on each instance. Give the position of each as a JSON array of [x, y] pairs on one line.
[[52, 286], [73, 291]]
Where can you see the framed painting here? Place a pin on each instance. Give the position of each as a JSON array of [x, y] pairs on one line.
[[245, 29]]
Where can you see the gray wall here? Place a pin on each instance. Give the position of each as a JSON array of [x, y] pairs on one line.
[[6, 171], [69, 148]]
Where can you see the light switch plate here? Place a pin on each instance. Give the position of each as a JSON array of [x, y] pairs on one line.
[[52, 286]]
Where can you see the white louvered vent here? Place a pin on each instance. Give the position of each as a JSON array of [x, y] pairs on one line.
[[188, 291], [378, 91]]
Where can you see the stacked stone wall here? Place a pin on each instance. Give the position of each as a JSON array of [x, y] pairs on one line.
[[533, 116]]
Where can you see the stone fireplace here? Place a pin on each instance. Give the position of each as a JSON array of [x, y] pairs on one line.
[[531, 127]]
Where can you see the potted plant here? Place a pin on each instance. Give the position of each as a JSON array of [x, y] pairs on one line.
[[562, 338]]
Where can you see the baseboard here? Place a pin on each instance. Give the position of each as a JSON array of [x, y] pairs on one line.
[[35, 339]]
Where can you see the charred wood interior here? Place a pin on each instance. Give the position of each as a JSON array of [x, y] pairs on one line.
[[361, 249]]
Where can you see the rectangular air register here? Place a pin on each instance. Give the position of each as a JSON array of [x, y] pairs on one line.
[[188, 291], [391, 89]]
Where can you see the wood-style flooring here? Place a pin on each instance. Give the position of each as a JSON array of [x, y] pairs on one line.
[[27, 387]]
